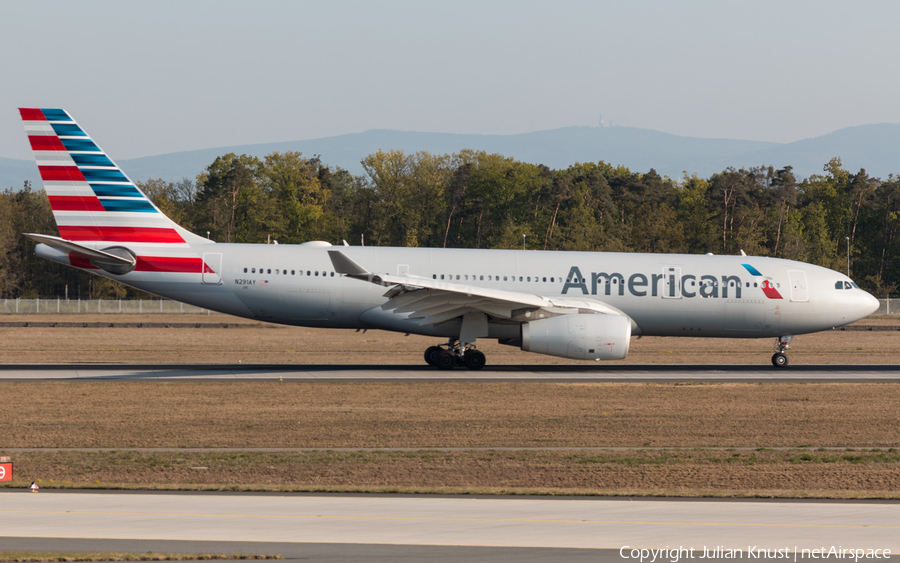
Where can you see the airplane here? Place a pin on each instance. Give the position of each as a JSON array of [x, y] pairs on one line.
[[578, 305]]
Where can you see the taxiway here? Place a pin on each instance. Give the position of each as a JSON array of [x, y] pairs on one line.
[[488, 523], [558, 373]]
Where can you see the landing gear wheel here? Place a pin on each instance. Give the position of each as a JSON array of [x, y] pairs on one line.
[[431, 355], [446, 359], [779, 360], [474, 359]]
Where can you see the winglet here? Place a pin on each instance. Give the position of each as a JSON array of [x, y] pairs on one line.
[[346, 266]]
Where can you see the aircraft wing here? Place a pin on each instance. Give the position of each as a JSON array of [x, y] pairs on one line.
[[433, 301]]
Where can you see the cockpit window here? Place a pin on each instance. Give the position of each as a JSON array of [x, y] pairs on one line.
[[839, 285], [847, 285], [853, 284]]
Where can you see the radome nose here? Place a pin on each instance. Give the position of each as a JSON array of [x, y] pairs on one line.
[[870, 303]]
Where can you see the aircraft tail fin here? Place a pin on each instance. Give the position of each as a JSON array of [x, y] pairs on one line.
[[93, 201]]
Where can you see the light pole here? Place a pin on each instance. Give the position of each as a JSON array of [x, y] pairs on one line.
[[848, 255], [523, 242]]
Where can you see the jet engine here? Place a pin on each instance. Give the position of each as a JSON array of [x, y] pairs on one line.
[[580, 337]]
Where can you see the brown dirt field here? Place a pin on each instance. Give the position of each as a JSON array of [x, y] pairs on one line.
[[140, 414], [443, 415], [856, 474], [683, 421], [254, 342]]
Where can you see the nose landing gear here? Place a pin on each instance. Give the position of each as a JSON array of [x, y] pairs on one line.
[[454, 355], [782, 344]]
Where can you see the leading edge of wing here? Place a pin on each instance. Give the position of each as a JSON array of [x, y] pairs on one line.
[[435, 301]]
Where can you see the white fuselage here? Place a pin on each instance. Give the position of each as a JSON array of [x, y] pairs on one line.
[[663, 294]]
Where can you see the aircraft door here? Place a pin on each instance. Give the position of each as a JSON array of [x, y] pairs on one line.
[[799, 288], [212, 268], [671, 286]]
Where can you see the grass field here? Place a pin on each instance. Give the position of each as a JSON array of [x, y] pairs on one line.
[[730, 439]]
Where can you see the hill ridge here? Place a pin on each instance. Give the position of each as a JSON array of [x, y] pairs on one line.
[[875, 147]]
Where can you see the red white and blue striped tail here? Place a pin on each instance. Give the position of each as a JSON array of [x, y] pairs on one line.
[[96, 205]]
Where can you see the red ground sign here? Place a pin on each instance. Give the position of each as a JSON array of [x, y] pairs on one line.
[[5, 471]]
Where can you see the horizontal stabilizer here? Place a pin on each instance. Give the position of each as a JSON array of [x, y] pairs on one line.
[[119, 263]]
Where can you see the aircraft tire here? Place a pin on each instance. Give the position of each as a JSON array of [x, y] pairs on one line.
[[474, 360], [431, 355], [779, 360], [446, 359]]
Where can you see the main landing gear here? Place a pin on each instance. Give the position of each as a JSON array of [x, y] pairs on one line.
[[782, 344], [454, 355]]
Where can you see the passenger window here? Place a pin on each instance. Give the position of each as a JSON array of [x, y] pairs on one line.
[[276, 270], [457, 276], [434, 276], [293, 272], [332, 274], [245, 270], [317, 272], [504, 278], [529, 278], [284, 272], [270, 270], [442, 276], [481, 278], [253, 271]]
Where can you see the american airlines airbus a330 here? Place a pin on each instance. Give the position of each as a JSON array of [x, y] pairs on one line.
[[581, 305]]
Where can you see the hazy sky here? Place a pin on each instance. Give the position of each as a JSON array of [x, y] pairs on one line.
[[147, 78]]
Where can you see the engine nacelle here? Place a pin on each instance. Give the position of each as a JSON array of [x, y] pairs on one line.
[[580, 337]]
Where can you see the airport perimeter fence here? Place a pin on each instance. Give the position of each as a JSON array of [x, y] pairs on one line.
[[103, 306], [889, 306]]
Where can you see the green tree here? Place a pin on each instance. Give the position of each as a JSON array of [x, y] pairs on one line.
[[293, 182]]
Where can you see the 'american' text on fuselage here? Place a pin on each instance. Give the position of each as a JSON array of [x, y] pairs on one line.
[[669, 283]]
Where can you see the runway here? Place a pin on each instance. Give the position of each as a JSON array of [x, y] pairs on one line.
[[418, 525], [530, 372]]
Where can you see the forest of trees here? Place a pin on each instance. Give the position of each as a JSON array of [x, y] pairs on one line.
[[479, 200]]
